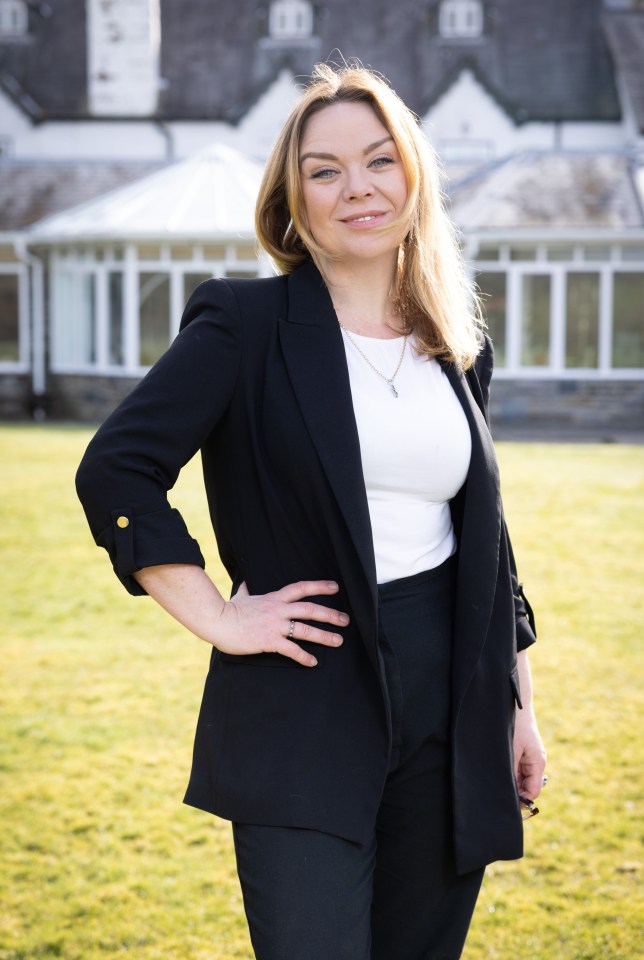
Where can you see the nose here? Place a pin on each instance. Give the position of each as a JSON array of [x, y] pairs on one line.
[[358, 184]]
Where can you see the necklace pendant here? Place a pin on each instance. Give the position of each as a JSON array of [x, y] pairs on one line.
[[393, 390]]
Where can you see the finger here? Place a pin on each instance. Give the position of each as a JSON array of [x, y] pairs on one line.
[[304, 631], [294, 652], [307, 588], [242, 590], [307, 610]]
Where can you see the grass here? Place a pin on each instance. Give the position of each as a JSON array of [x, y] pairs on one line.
[[100, 694]]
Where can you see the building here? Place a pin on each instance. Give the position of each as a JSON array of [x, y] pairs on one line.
[[536, 109]]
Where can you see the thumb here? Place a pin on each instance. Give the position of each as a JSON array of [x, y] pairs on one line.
[[242, 590]]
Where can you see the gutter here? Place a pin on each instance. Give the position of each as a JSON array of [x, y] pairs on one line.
[[37, 304]]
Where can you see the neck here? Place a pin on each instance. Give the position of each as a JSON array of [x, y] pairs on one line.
[[363, 297]]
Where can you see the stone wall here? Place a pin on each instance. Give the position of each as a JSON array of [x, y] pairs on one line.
[[597, 409], [603, 409]]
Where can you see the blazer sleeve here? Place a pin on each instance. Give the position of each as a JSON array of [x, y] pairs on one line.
[[135, 457], [479, 377]]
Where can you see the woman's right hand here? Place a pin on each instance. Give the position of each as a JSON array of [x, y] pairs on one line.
[[245, 624], [261, 623]]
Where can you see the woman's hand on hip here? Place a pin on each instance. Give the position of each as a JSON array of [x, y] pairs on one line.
[[272, 622]]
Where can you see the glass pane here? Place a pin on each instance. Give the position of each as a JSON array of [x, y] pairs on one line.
[[535, 320], [628, 320], [560, 253], [493, 291], [246, 251], [115, 318], [241, 273], [192, 280], [596, 254], [214, 251], [488, 253], [149, 251], [181, 251], [74, 323], [582, 320], [523, 253], [9, 330], [633, 254], [154, 315]]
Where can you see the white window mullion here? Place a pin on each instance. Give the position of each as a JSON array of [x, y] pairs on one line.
[[102, 331], [176, 300], [131, 307], [513, 320]]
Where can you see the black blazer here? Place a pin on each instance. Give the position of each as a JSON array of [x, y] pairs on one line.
[[257, 379]]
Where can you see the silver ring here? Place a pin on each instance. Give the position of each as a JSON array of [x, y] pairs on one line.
[[544, 779], [292, 628]]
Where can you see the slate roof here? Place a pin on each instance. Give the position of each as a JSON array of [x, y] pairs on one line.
[[555, 190], [625, 33], [543, 61], [32, 189]]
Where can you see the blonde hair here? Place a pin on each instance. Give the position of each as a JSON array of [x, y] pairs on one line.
[[435, 296]]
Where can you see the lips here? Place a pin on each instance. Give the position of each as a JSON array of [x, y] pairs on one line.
[[367, 217]]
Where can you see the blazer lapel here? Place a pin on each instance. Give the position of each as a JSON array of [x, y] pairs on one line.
[[314, 355], [479, 543]]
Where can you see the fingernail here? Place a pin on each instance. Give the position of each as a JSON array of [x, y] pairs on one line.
[[332, 585], [337, 640], [313, 662], [344, 618]]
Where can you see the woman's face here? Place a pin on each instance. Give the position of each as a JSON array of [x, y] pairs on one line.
[[353, 182]]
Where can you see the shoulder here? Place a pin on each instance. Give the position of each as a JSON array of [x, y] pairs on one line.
[[484, 364], [232, 297]]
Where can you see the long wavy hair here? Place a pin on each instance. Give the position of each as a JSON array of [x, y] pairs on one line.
[[434, 294]]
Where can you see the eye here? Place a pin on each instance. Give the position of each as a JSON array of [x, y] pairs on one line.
[[382, 161], [325, 174]]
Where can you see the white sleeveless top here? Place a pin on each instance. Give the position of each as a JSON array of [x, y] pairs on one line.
[[415, 454]]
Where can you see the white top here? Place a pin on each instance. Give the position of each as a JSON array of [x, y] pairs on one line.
[[415, 454]]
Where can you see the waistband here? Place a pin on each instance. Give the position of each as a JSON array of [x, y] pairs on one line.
[[445, 571]]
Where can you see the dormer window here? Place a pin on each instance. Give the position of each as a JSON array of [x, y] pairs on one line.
[[290, 20], [461, 19], [14, 19]]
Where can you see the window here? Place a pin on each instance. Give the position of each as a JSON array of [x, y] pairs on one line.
[[290, 20], [493, 290], [460, 19], [154, 316], [628, 320], [9, 318], [535, 320], [582, 320], [14, 19]]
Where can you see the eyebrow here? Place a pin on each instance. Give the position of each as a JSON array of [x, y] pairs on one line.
[[331, 156]]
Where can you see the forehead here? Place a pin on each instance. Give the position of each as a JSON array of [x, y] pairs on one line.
[[350, 123]]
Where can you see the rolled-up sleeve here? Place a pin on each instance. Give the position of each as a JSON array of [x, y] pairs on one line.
[[136, 456]]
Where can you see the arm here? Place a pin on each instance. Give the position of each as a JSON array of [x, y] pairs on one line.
[[529, 751], [245, 624]]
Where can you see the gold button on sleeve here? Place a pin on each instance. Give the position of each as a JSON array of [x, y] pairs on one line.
[[122, 522]]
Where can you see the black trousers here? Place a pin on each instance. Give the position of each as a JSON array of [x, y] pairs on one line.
[[313, 896]]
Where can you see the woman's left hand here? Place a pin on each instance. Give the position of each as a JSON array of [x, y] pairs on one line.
[[529, 751], [529, 755]]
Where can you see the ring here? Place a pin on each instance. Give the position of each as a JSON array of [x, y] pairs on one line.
[[292, 628], [544, 779]]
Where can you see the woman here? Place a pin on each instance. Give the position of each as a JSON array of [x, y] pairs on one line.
[[357, 719]]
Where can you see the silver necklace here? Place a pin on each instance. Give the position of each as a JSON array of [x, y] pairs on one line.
[[389, 380]]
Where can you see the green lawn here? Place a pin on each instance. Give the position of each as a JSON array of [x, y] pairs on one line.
[[100, 693]]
